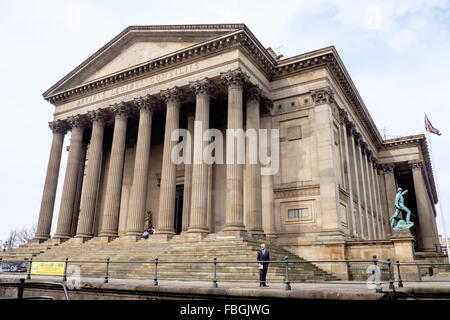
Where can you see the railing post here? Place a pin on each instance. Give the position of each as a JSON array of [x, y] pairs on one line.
[[20, 289], [215, 273], [377, 279], [288, 283], [391, 278], [107, 271], [29, 269], [400, 282], [65, 270], [155, 280]]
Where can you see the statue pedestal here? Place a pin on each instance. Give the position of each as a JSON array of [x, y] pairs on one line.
[[404, 252]]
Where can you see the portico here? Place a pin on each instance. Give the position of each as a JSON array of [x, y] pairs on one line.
[[333, 185]]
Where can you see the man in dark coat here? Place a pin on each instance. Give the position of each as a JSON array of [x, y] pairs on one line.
[[262, 257]]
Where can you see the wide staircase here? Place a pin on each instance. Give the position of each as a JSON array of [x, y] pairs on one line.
[[180, 258]]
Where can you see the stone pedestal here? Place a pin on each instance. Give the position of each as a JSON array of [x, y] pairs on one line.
[[404, 252]]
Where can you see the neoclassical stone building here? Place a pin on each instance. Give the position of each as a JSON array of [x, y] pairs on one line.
[[334, 191]]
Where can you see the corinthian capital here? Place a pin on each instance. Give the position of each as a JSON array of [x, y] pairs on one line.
[[388, 167], [78, 121], [147, 102], [416, 164], [204, 86], [254, 93], [234, 78], [59, 126], [99, 115], [322, 96], [172, 95], [121, 109]]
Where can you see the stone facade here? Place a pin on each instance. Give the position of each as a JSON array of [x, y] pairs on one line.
[[332, 196]]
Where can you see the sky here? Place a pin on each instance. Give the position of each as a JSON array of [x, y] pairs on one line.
[[396, 52]]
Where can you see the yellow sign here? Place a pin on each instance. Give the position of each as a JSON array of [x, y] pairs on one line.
[[48, 268]]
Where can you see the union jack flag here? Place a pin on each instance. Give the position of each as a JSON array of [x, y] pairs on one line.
[[430, 128]]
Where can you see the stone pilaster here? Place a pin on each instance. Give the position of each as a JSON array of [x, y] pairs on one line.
[[166, 215], [252, 168], [59, 129], [91, 183], [188, 178], [137, 205], [363, 197], [198, 222], [377, 204], [63, 230], [234, 222], [110, 220]]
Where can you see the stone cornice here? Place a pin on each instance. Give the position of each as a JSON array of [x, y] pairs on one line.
[[248, 43]]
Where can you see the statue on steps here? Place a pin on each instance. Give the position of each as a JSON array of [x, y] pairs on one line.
[[396, 222]]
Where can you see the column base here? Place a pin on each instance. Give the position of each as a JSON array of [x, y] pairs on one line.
[[38, 240], [233, 233], [161, 237], [196, 234], [106, 238], [257, 234], [81, 239], [58, 240]]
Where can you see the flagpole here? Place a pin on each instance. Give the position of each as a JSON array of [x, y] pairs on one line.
[[439, 196]]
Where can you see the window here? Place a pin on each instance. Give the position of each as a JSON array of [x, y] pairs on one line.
[[298, 213]]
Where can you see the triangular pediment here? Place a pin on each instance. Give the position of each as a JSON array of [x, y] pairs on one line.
[[136, 45]]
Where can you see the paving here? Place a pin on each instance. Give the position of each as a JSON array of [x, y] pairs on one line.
[[169, 289]]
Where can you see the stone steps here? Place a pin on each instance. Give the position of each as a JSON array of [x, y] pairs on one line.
[[181, 249]]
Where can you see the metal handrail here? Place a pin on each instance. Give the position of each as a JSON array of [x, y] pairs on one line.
[[387, 265]]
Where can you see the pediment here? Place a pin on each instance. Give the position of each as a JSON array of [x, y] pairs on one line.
[[137, 45]]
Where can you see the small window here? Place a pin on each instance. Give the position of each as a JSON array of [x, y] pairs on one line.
[[298, 213]]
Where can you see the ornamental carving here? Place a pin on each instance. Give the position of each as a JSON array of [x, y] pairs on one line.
[[59, 126], [147, 102], [388, 167], [205, 86], [266, 107], [120, 109], [357, 136], [174, 95], [322, 96], [254, 93], [99, 115], [415, 165], [78, 121], [236, 78]]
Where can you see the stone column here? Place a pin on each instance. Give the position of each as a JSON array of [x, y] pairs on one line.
[[110, 220], [391, 189], [372, 221], [59, 129], [234, 221], [77, 202], [63, 230], [166, 215], [252, 167], [365, 212], [383, 201], [91, 183], [198, 222], [426, 216], [188, 178], [359, 226], [346, 122], [137, 204], [376, 197]]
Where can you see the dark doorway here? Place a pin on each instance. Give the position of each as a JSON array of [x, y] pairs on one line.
[[178, 223]]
